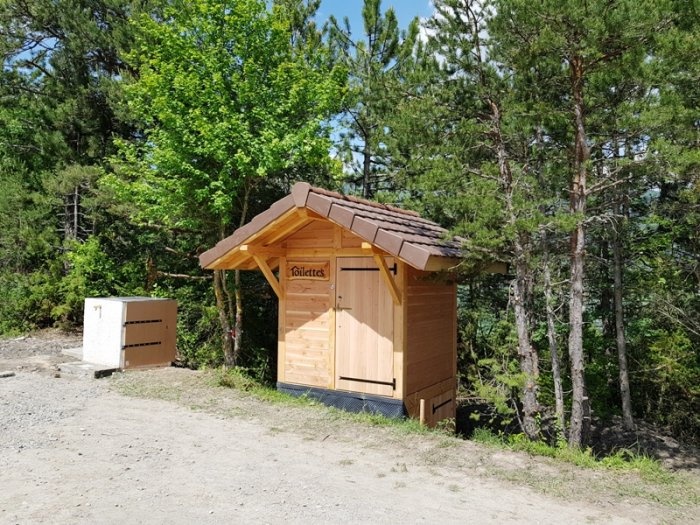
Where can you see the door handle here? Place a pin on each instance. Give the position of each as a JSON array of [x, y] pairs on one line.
[[338, 308]]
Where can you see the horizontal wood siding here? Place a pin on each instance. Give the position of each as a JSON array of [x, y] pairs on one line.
[[308, 306], [149, 333], [307, 358], [318, 234], [430, 339]]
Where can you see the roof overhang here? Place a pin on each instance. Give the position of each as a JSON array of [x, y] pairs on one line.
[[384, 229]]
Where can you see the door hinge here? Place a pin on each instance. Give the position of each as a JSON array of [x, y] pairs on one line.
[[391, 383], [438, 407], [392, 269]]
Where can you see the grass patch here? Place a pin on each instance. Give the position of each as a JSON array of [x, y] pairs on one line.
[[622, 460], [238, 379], [403, 425], [123, 383]]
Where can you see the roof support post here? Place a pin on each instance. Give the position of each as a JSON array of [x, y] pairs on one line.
[[388, 279], [265, 268]]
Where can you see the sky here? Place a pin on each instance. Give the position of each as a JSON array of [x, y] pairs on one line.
[[405, 11]]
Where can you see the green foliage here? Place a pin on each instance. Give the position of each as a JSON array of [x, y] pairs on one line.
[[236, 378], [668, 383], [61, 64], [224, 101], [489, 370], [134, 134], [198, 341], [621, 460]]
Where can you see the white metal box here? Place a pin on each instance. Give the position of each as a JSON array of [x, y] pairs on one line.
[[129, 332]]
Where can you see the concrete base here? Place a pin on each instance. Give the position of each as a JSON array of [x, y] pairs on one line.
[[73, 352], [83, 369]]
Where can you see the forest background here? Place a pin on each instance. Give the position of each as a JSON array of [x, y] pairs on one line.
[[559, 137]]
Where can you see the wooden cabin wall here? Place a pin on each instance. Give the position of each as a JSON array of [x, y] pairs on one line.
[[307, 320], [431, 347], [307, 332], [424, 332]]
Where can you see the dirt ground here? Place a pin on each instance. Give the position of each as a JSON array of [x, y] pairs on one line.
[[168, 446]]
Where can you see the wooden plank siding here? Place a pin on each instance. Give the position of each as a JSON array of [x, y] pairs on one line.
[[309, 320], [364, 328], [149, 333], [315, 346], [430, 339], [307, 352], [317, 234], [307, 346]]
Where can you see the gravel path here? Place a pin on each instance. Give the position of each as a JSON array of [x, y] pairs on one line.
[[78, 451]]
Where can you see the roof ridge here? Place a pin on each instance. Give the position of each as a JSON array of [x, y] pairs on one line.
[[366, 202]]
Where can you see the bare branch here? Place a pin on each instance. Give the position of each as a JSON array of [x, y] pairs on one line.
[[183, 276]]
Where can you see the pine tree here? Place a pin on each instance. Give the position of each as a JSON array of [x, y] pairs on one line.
[[373, 62], [573, 46], [474, 171]]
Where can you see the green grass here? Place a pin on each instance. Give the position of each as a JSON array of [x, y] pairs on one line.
[[238, 379], [622, 460]]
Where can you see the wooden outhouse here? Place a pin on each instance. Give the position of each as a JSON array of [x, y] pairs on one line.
[[367, 314]]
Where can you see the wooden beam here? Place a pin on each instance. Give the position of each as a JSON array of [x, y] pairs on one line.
[[388, 279], [437, 264], [310, 214], [262, 264], [400, 331], [371, 249], [258, 250], [326, 252], [281, 324], [283, 230]]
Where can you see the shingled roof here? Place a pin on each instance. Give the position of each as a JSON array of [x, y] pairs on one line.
[[401, 233]]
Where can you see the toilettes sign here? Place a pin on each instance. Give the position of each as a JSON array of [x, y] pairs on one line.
[[314, 271]]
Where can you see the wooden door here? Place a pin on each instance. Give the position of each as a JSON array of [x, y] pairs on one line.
[[364, 330]]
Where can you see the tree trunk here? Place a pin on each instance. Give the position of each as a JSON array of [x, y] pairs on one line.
[[527, 357], [366, 170], [227, 343], [525, 352], [76, 211], [531, 320], [69, 230], [606, 309], [553, 347], [627, 419], [580, 407], [237, 292], [238, 318]]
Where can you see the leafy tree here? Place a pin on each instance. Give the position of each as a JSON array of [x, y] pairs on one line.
[[229, 105]]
